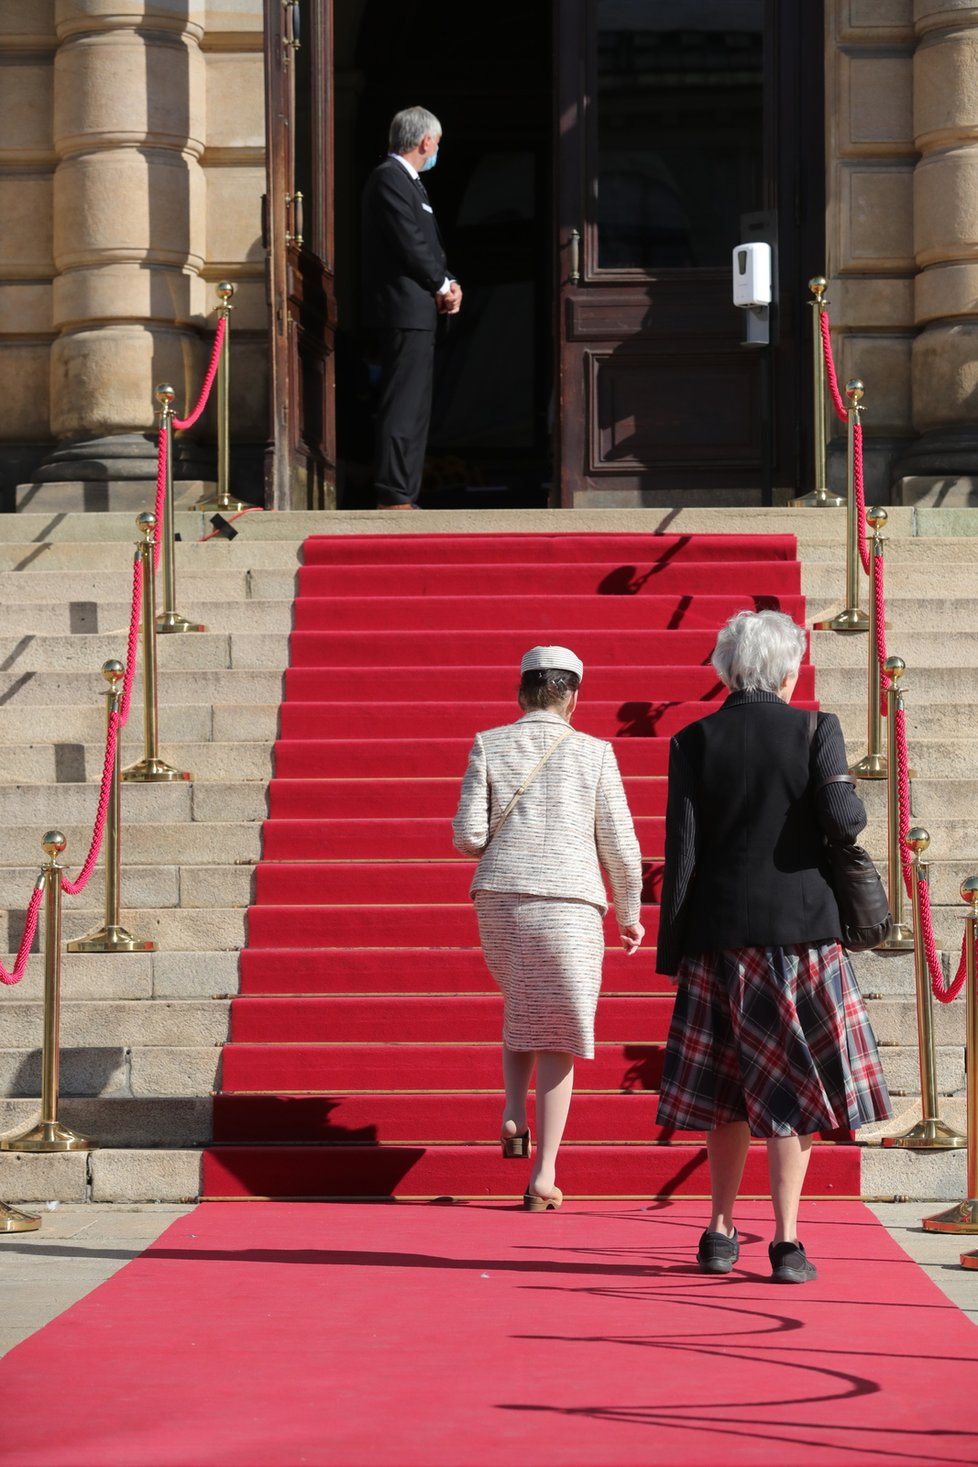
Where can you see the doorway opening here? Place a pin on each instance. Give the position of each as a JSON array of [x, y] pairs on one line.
[[487, 74]]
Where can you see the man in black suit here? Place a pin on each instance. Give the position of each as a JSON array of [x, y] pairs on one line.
[[406, 286]]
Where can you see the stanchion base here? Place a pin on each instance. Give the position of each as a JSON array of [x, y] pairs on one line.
[[172, 621], [153, 771], [12, 1221], [870, 766], [961, 1218], [47, 1136], [928, 1135], [817, 499], [222, 506], [852, 619], [900, 940], [969, 1260], [110, 940]]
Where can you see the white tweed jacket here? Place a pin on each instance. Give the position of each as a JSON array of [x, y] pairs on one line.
[[570, 824]]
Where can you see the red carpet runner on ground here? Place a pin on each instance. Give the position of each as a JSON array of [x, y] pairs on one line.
[[364, 1053], [277, 1334]]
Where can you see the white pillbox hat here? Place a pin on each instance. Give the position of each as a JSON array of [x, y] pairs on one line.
[[560, 658]]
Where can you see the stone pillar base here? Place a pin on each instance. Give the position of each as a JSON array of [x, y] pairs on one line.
[[121, 456]]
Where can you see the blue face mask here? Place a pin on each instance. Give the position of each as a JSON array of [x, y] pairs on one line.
[[429, 163]]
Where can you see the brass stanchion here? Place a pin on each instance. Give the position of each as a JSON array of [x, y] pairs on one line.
[[963, 1216], [151, 769], [49, 1134], [852, 618], [930, 1133], [224, 502], [112, 938], [12, 1221], [873, 763], [900, 939], [820, 498], [169, 619]]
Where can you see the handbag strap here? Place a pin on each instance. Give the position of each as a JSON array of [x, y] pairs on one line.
[[829, 778], [527, 782]]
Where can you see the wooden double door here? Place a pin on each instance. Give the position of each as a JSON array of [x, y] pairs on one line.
[[661, 134]]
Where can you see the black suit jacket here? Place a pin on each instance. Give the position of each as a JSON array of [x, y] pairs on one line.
[[745, 864], [403, 261]]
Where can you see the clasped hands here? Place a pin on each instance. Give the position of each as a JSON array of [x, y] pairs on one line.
[[448, 301]]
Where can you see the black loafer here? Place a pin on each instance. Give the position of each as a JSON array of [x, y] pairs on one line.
[[789, 1264], [717, 1253]]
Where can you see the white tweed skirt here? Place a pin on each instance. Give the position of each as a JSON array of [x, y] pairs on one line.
[[545, 955]]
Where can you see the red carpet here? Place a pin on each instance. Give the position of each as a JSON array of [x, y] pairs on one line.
[[275, 1335], [364, 1053]]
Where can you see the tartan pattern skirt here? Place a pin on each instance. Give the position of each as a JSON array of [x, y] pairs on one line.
[[778, 1037]]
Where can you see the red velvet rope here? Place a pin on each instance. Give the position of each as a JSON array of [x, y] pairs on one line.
[[836, 395], [16, 973], [943, 991], [118, 719], [205, 391]]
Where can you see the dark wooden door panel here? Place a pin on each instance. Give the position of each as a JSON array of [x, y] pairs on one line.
[[673, 123]]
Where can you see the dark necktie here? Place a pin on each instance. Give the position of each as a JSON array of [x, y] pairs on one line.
[[424, 191]]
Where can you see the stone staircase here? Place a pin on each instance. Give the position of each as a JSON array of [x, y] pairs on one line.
[[142, 1032]]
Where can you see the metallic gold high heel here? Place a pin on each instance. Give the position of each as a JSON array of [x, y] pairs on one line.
[[533, 1202], [516, 1147]]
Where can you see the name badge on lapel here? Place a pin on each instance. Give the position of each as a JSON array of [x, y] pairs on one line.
[[427, 208]]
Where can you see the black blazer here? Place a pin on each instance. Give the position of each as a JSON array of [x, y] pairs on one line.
[[745, 864], [402, 257]]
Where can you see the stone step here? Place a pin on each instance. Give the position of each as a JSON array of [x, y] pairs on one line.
[[905, 613], [173, 929], [108, 618], [142, 844], [173, 1120], [204, 651], [901, 580], [109, 1024], [73, 763], [160, 974], [195, 582], [159, 1174], [142, 1070], [69, 804], [85, 723], [22, 689], [124, 1175], [116, 557]]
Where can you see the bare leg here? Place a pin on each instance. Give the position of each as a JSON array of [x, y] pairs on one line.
[[555, 1086], [517, 1070], [787, 1160], [726, 1148]]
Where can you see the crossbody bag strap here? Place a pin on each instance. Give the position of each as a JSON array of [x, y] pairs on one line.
[[527, 782]]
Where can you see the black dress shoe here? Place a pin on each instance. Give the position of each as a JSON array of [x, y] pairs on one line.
[[789, 1264], [717, 1253]]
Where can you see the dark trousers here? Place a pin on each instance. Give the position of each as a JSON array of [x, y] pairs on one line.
[[403, 413]]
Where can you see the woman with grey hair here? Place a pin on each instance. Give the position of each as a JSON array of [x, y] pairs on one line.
[[544, 809], [769, 1036]]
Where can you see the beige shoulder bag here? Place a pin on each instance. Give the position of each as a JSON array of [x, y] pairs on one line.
[[526, 785]]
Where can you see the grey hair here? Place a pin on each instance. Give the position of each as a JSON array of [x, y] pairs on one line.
[[410, 126], [757, 650]]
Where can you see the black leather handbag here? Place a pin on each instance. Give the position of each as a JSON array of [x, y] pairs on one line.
[[864, 909]]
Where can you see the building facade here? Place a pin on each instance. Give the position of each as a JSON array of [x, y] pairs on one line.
[[600, 159]]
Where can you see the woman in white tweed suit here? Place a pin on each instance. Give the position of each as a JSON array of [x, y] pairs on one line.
[[540, 897]]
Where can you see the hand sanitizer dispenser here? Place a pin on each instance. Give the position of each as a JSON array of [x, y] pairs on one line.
[[752, 289]]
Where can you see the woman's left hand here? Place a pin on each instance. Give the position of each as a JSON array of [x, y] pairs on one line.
[[631, 937]]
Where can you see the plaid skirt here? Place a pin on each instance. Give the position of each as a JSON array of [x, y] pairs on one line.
[[778, 1037]]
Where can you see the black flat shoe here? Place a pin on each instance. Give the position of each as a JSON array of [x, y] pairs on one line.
[[789, 1264], [717, 1253]]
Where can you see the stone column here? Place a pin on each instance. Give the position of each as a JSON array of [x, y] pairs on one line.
[[942, 466], [129, 226], [869, 227]]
